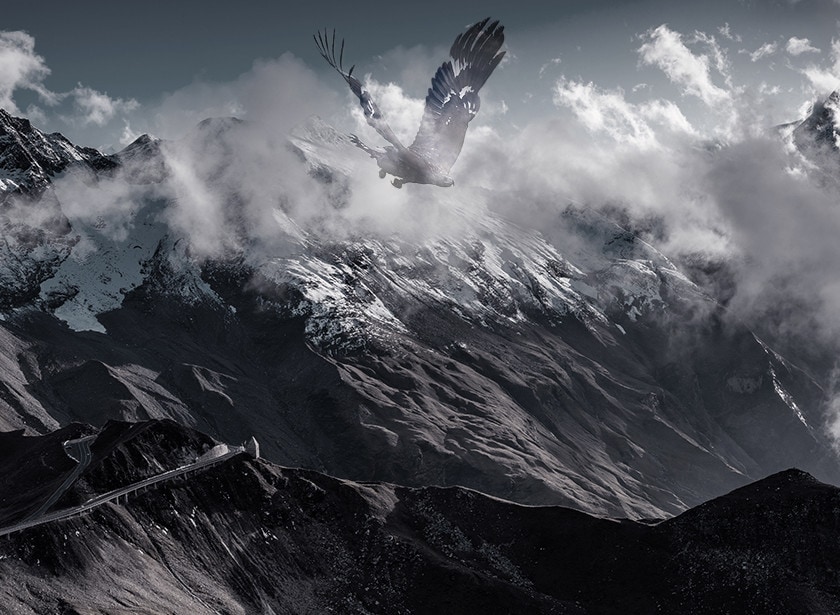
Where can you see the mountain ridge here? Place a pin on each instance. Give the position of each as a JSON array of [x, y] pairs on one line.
[[574, 365], [247, 535]]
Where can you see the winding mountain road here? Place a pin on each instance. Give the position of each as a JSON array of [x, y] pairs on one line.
[[82, 448], [79, 451]]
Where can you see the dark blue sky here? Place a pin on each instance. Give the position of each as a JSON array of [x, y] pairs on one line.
[[143, 51]]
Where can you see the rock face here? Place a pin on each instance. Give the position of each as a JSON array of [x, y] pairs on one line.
[[37, 235], [571, 365], [29, 158], [820, 128], [248, 536]]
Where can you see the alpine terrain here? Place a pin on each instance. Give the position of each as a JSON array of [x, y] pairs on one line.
[[454, 409]]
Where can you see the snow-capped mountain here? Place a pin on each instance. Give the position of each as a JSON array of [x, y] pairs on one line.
[[29, 158], [574, 364], [820, 128]]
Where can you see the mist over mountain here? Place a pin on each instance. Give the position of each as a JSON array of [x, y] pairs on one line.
[[240, 372], [530, 346], [448, 342]]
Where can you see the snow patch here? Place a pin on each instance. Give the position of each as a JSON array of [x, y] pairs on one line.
[[103, 267]]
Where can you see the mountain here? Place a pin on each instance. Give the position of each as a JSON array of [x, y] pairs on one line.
[[29, 159], [820, 127], [566, 362], [817, 138], [246, 535], [36, 236]]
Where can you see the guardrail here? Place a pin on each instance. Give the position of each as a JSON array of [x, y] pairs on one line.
[[116, 494]]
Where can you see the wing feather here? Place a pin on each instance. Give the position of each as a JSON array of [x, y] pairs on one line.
[[452, 100], [326, 46]]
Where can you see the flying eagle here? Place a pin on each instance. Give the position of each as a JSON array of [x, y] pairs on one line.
[[451, 103]]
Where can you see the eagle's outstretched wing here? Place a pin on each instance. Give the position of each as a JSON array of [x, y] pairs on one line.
[[326, 45], [453, 99]]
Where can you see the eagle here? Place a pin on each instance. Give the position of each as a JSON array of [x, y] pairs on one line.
[[451, 103]]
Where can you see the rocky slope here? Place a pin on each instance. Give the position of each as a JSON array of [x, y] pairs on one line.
[[569, 365], [248, 536], [36, 233]]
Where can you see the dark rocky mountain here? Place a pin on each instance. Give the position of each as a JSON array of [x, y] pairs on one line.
[[29, 159], [818, 140], [573, 365], [36, 233], [819, 129], [248, 536]]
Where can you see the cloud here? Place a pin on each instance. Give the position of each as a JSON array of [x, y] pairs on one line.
[[109, 204], [21, 68], [797, 46], [231, 178], [278, 93], [743, 200], [721, 61], [665, 49], [766, 89], [767, 49], [128, 135], [403, 112], [783, 220], [726, 32], [825, 79], [36, 114], [97, 107], [609, 112]]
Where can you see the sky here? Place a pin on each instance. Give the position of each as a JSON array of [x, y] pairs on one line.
[[102, 72]]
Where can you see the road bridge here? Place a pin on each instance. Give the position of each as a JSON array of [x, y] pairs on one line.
[[116, 495]]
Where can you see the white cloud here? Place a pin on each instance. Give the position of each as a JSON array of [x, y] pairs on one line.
[[665, 49], [128, 135], [765, 50], [825, 79], [36, 114], [737, 201], [726, 32], [229, 178], [21, 68], [97, 107], [721, 61], [797, 46], [766, 89], [609, 112], [278, 93], [403, 112]]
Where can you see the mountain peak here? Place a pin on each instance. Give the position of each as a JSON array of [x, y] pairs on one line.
[[142, 140], [779, 491], [818, 131], [29, 157], [8, 121], [218, 125]]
